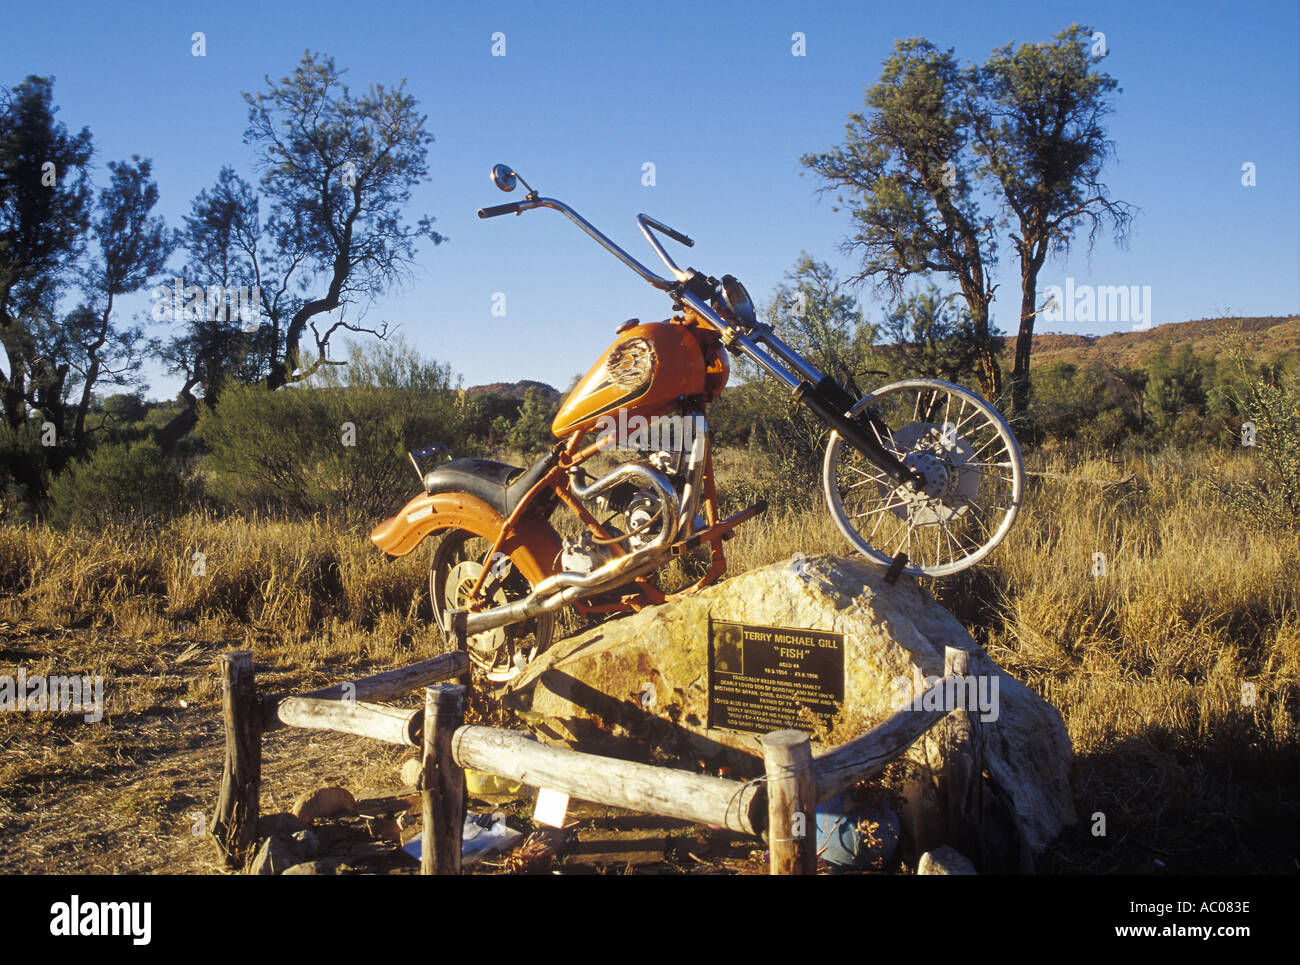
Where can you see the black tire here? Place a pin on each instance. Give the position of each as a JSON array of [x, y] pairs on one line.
[[458, 556]]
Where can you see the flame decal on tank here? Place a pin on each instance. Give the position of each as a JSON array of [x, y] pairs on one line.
[[631, 364]]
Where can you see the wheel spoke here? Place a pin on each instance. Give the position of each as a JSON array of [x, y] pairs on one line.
[[996, 438], [872, 534], [888, 507], [973, 415], [879, 478], [853, 468], [906, 535]]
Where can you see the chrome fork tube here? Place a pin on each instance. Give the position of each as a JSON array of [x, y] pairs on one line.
[[694, 474]]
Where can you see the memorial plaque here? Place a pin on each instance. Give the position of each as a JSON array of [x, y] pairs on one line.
[[760, 677]]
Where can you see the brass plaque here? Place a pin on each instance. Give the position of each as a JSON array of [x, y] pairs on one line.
[[760, 677]]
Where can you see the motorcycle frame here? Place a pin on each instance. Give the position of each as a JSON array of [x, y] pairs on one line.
[[568, 457]]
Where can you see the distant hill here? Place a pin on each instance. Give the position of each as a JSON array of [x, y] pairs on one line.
[[516, 390], [1263, 337]]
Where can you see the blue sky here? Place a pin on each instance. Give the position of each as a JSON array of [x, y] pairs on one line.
[[711, 94]]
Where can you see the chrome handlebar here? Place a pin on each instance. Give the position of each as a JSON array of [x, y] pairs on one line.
[[645, 223], [663, 284], [751, 344]]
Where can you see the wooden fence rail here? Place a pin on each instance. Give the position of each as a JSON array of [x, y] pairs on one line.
[[380, 686], [623, 784], [783, 802], [392, 725]]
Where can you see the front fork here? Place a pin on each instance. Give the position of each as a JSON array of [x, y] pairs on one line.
[[819, 392], [829, 401]]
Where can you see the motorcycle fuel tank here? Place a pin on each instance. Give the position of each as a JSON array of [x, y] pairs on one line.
[[647, 371]]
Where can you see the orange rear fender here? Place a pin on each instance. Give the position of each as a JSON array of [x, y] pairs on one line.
[[534, 547]]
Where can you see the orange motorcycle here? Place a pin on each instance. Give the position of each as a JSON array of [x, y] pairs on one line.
[[921, 476]]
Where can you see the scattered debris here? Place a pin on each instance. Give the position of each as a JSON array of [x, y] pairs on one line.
[[410, 771], [479, 783], [597, 848], [538, 852], [853, 835], [482, 835]]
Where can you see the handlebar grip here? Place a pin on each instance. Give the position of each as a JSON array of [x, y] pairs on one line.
[[676, 236], [511, 207]]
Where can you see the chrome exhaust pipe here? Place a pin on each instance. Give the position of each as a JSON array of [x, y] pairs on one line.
[[556, 591]]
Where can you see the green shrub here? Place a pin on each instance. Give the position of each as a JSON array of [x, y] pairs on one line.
[[119, 482], [336, 445], [1107, 430], [24, 466], [531, 433], [1269, 401]]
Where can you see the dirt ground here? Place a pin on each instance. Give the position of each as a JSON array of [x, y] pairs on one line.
[[134, 792]]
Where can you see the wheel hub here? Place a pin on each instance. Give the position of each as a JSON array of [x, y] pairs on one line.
[[941, 458], [460, 584], [935, 474]]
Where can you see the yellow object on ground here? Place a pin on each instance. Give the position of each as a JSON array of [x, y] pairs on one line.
[[478, 782]]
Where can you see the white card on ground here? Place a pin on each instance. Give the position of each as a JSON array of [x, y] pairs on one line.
[[551, 808]]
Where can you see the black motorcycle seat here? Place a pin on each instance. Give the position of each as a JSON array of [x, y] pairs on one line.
[[498, 484]]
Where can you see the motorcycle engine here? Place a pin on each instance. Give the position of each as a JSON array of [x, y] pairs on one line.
[[642, 512], [641, 509], [584, 555]]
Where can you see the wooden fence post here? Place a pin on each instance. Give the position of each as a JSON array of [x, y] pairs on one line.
[[791, 803], [442, 782], [963, 762], [234, 824], [455, 621]]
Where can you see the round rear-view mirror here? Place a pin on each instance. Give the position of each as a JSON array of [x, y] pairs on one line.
[[503, 177]]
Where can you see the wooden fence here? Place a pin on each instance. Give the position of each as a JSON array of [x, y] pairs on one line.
[[783, 802]]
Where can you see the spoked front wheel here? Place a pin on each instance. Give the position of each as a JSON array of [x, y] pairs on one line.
[[974, 478]]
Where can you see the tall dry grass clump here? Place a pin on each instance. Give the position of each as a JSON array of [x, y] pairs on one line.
[[301, 590], [1167, 632]]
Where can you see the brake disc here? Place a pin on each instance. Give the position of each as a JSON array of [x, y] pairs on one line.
[[460, 583], [943, 458]]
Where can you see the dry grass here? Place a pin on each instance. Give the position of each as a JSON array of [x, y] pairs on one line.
[[1147, 664], [1152, 665]]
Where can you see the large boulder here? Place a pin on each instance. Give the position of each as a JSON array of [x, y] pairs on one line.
[[643, 680]]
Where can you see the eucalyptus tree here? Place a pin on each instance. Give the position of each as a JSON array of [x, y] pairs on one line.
[[323, 235]]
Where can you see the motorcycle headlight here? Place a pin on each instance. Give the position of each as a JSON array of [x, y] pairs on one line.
[[736, 301]]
